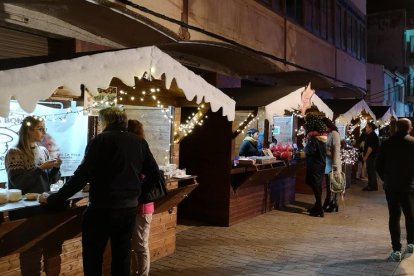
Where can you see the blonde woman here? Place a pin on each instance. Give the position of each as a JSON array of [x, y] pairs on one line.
[[28, 164], [333, 162]]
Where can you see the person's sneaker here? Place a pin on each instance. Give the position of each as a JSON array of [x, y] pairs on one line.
[[396, 256], [410, 248]]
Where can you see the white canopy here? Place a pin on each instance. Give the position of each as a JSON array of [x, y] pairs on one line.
[[352, 113], [293, 101], [386, 118], [30, 84]]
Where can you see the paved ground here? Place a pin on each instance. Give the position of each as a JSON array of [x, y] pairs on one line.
[[354, 241]]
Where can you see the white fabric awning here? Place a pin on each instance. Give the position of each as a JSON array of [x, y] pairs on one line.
[[292, 101], [31, 84], [386, 118], [354, 112]]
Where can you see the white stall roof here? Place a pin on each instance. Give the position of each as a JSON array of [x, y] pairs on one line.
[[386, 118], [293, 101], [31, 84], [354, 112], [275, 99]]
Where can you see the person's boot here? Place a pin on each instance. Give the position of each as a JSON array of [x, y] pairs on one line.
[[326, 203], [333, 206], [317, 212]]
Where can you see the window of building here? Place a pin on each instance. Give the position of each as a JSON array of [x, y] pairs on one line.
[[331, 20], [338, 25], [316, 17], [294, 10], [330, 13], [355, 36], [290, 8], [387, 93], [348, 44], [344, 28], [324, 19], [363, 43], [276, 5]]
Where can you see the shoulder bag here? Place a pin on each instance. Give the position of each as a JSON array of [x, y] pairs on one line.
[[338, 181], [153, 191]]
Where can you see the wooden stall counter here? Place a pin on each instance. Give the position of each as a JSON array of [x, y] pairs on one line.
[[249, 195], [30, 233], [35, 239]]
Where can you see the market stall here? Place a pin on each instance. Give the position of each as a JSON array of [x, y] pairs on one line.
[[283, 108], [236, 193], [350, 117], [385, 115], [152, 87]]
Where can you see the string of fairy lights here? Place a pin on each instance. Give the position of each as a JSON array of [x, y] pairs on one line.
[[56, 117], [109, 97], [193, 121], [349, 154], [247, 122]]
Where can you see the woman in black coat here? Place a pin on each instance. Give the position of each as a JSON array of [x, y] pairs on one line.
[[315, 151]]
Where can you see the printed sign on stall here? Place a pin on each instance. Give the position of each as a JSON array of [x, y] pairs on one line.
[[66, 134]]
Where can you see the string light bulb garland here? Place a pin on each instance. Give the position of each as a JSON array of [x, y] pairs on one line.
[[193, 121]]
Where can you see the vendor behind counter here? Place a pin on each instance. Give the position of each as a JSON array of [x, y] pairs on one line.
[[249, 146]]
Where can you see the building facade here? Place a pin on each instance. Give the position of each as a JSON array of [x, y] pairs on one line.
[[325, 38], [390, 33]]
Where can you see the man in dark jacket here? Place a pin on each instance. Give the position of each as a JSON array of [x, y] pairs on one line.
[[112, 165], [370, 153], [394, 164]]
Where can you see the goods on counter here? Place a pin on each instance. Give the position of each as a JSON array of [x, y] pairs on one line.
[[31, 196], [283, 152], [15, 195], [4, 196], [247, 160], [265, 159]]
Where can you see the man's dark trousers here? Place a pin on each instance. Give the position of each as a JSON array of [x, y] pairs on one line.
[[397, 201], [99, 225]]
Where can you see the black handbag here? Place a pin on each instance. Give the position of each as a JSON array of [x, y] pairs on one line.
[[153, 190]]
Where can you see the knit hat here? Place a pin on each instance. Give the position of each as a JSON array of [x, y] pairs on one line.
[[252, 131], [314, 123]]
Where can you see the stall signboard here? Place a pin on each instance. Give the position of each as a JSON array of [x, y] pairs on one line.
[[66, 134], [282, 128]]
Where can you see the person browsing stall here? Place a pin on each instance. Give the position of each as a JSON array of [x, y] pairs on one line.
[[315, 151], [249, 145], [333, 162], [28, 164], [140, 237], [113, 163]]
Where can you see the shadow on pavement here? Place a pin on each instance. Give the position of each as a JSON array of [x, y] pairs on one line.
[[298, 207], [360, 267]]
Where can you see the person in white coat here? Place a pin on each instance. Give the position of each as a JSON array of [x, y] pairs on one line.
[[333, 162]]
